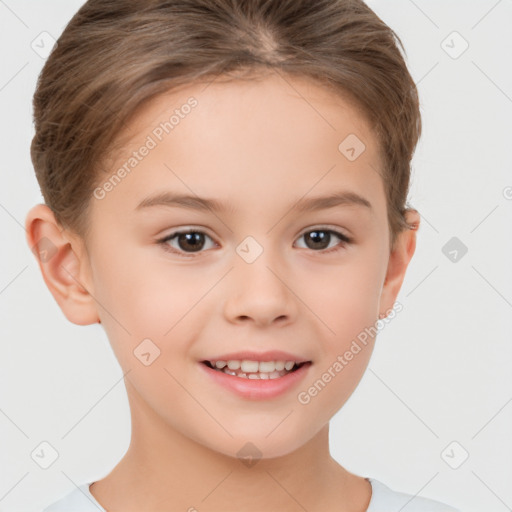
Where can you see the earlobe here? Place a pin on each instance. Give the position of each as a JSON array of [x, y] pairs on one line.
[[399, 260], [63, 265]]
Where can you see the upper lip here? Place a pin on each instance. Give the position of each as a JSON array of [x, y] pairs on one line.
[[269, 355]]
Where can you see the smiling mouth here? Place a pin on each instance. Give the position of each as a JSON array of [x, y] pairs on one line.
[[239, 372]]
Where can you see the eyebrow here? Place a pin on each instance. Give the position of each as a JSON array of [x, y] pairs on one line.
[[170, 199]]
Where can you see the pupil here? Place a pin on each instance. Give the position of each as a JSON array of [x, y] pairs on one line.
[[191, 239], [318, 237]]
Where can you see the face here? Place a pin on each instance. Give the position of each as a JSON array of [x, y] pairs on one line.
[[266, 269]]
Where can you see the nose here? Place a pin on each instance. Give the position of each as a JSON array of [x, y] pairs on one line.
[[260, 292]]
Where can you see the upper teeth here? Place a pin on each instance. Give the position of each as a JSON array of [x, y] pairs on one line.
[[254, 366]]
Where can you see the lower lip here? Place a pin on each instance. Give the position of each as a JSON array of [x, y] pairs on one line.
[[257, 389]]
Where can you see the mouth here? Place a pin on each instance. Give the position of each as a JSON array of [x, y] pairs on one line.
[[256, 380], [262, 370]]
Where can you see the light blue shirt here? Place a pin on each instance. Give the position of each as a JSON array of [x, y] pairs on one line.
[[383, 500]]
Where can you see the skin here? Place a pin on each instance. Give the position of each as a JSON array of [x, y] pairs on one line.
[[186, 430]]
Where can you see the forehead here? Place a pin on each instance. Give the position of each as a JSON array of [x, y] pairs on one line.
[[292, 106], [249, 138]]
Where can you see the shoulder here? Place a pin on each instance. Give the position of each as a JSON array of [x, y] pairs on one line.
[[385, 499], [78, 500], [81, 500]]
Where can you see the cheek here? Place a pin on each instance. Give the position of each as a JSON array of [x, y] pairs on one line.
[[144, 299], [139, 284], [333, 383], [344, 296]]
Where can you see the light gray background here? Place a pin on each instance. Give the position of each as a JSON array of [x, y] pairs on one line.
[[440, 371]]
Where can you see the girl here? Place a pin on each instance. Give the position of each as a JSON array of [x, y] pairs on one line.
[[225, 188]]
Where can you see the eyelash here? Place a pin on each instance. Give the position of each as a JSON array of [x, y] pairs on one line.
[[345, 240]]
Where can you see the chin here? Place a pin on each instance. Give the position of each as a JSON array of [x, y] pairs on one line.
[[249, 448]]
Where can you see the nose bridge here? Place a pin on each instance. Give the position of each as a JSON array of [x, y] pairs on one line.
[[258, 287], [259, 259]]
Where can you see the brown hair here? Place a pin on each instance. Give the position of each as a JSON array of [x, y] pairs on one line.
[[114, 55]]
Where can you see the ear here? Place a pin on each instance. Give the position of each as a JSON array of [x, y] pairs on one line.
[[63, 263], [399, 259]]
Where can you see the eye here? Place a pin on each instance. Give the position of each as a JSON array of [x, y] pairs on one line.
[[319, 239], [188, 242]]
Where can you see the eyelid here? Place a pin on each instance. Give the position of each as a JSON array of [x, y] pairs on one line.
[[323, 227], [187, 229], [201, 229], [184, 230]]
